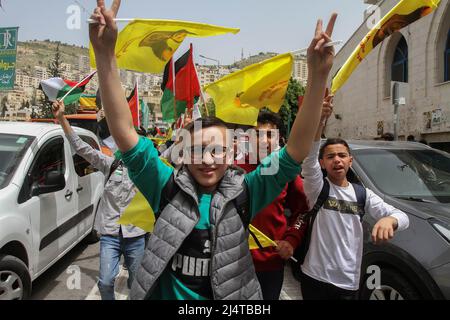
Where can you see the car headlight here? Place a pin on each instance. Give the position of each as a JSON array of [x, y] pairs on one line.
[[441, 227]]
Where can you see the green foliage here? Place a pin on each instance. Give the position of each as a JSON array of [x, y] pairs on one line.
[[211, 108], [289, 109], [54, 67]]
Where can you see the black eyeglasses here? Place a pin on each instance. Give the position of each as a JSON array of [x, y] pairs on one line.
[[217, 152]]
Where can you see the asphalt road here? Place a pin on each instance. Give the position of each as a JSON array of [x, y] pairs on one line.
[[74, 277]]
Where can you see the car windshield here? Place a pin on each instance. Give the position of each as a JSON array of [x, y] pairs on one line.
[[420, 175], [12, 149]]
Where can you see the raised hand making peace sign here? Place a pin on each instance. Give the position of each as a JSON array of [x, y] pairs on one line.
[[103, 33], [321, 57]]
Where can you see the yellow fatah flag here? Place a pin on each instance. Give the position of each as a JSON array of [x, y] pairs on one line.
[[264, 240], [146, 45], [139, 214], [88, 102], [403, 14], [238, 97]]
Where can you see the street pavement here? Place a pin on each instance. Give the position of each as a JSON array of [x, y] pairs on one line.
[[74, 277]]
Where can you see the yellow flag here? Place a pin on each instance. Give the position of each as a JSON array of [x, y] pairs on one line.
[[264, 240], [239, 96], [146, 45], [139, 213], [88, 102], [403, 14]]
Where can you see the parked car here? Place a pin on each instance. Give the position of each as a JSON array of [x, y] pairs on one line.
[[415, 179], [86, 121], [48, 200]]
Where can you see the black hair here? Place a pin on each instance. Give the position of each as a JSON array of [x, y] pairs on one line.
[[206, 122], [266, 117], [410, 138], [333, 141]]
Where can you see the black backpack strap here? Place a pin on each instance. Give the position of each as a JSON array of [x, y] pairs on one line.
[[309, 218], [242, 205], [116, 163], [323, 196], [361, 196], [168, 192]]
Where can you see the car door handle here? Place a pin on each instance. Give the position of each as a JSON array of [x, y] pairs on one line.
[[79, 188], [68, 194]]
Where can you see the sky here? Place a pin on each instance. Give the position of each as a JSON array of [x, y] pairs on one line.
[[266, 25]]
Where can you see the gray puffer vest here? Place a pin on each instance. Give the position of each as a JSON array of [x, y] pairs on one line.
[[232, 272]]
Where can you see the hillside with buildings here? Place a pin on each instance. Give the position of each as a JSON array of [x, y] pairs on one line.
[[35, 57]]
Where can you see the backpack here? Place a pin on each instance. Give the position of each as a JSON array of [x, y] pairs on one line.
[[309, 217], [241, 203]]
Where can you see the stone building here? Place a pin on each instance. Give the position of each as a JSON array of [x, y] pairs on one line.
[[418, 57]]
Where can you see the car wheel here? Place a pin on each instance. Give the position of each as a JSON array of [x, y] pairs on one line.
[[15, 281], [393, 286]]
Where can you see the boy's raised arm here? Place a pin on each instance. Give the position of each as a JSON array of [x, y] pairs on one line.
[[320, 61], [103, 36]]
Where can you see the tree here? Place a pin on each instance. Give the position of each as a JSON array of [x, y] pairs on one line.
[[55, 70], [211, 108], [54, 67], [289, 109]]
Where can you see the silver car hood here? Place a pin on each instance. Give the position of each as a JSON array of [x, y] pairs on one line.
[[423, 210]]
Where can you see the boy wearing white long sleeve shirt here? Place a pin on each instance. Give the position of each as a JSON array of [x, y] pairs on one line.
[[331, 269]]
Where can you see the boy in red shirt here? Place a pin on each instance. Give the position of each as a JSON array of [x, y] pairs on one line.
[[272, 221]]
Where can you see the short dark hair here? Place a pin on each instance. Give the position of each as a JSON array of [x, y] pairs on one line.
[[333, 141], [410, 138], [206, 122], [266, 117]]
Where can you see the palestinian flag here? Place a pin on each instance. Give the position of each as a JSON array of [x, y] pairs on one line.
[[187, 87], [56, 88], [133, 103]]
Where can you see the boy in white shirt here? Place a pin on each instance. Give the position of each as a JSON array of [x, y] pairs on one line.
[[331, 269]]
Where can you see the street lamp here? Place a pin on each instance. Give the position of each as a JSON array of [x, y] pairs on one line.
[[218, 62]]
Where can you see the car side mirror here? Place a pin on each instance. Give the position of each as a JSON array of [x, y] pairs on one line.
[[53, 181]]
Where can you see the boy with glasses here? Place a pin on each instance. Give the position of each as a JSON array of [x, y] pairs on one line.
[[199, 247]]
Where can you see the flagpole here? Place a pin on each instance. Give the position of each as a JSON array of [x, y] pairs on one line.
[[137, 103], [201, 91], [76, 86], [92, 21], [172, 61], [328, 44]]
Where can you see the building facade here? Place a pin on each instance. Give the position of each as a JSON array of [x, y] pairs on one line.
[[418, 58], [300, 72]]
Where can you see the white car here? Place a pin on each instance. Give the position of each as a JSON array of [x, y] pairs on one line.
[[48, 200]]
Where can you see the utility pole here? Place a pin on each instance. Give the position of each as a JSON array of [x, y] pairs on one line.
[[218, 62], [395, 102]]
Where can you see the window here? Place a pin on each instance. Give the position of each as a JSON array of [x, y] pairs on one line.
[[82, 167], [49, 158], [12, 149], [400, 62], [447, 59]]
